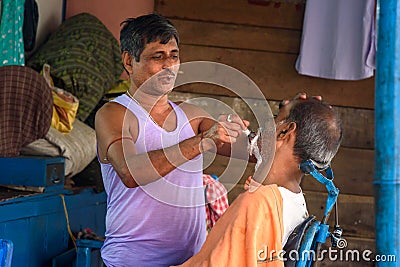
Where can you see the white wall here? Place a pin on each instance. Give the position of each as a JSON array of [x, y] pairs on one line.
[[110, 12]]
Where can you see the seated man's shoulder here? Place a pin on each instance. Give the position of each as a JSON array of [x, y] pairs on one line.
[[258, 195], [262, 190]]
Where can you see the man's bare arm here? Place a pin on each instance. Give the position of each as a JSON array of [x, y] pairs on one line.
[[113, 122]]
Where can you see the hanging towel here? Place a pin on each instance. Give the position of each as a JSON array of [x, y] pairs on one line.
[[338, 40], [11, 38], [31, 20]]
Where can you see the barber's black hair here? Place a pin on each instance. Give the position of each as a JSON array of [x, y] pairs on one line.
[[137, 32], [319, 131]]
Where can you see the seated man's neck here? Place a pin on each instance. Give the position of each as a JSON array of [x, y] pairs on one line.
[[286, 176]]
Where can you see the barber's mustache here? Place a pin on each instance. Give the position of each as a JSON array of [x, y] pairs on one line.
[[167, 73]]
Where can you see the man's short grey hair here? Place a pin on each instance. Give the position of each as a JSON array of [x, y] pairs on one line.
[[319, 131]]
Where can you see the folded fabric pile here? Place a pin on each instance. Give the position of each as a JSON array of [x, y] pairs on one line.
[[26, 105]]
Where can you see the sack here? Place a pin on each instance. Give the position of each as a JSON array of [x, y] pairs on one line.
[[65, 105]]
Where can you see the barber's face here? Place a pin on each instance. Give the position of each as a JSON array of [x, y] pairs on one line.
[[161, 60]]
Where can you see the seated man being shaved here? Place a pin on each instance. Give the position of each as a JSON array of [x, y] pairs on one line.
[[256, 226]]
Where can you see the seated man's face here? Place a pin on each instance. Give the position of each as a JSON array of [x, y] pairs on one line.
[[161, 60]]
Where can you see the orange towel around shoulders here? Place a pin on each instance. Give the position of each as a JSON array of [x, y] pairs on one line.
[[248, 234]]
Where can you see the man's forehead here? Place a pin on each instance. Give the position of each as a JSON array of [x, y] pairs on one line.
[[157, 45]]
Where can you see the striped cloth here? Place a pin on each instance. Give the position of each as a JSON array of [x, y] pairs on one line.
[[216, 200], [26, 108]]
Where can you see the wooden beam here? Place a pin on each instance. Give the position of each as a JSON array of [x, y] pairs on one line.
[[275, 75], [358, 127], [238, 36], [353, 167], [357, 124], [285, 15], [353, 170]]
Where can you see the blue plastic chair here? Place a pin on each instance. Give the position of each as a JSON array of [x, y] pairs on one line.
[[308, 237]]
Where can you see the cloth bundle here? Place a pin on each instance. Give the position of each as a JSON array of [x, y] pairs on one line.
[[25, 106], [65, 104], [84, 57]]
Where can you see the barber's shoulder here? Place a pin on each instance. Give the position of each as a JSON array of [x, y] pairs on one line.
[[109, 105], [111, 108], [113, 111]]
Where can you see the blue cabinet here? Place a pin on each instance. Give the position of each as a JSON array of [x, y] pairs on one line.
[[36, 223]]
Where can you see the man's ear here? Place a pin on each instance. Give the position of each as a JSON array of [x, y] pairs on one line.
[[127, 61], [287, 130]]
